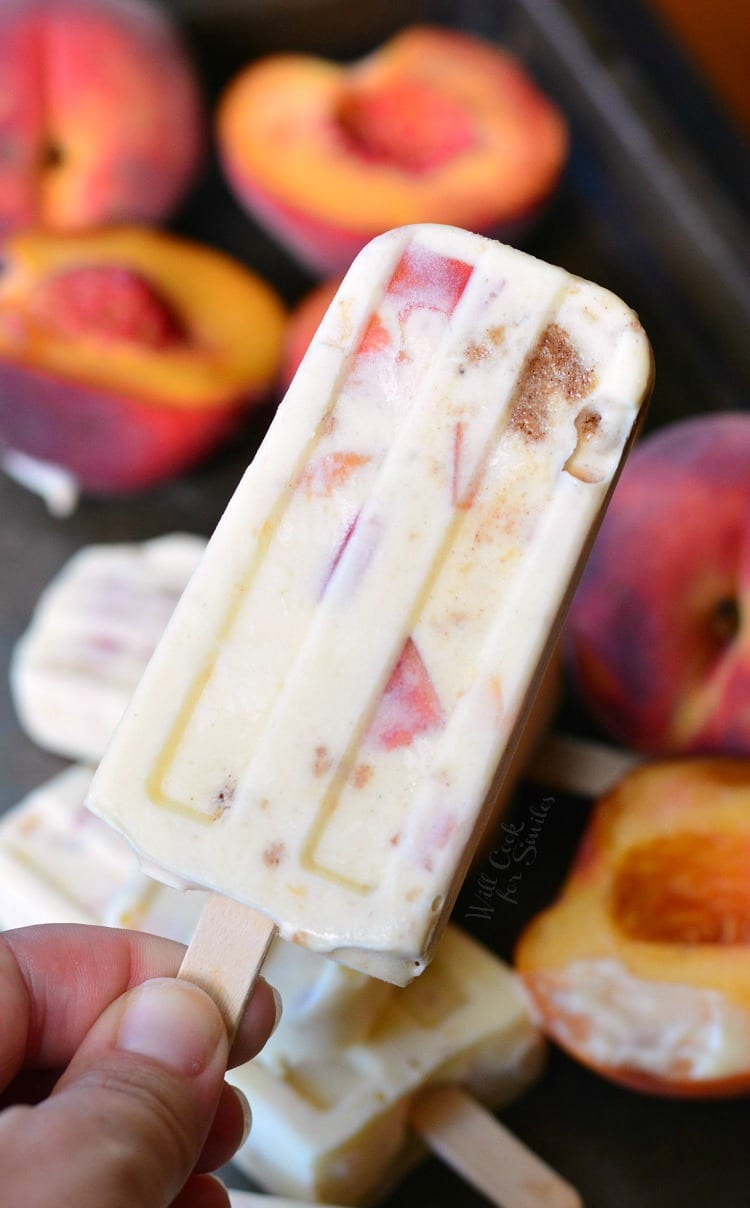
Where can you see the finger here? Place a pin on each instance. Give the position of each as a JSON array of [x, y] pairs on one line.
[[261, 1019], [230, 1127], [129, 1118], [203, 1191], [55, 980]]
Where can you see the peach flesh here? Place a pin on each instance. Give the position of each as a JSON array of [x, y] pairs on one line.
[[116, 366], [688, 888], [108, 302], [647, 943], [407, 124], [214, 361]]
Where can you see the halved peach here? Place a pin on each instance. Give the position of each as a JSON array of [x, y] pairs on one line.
[[100, 120], [435, 126], [126, 355], [641, 969], [304, 321]]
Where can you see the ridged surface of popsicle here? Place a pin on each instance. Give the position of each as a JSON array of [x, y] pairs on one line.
[[331, 707]]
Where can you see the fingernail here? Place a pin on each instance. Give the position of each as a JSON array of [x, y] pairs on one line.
[[172, 1022], [278, 1007], [246, 1112]]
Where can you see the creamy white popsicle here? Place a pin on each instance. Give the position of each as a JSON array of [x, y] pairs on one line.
[[335, 701], [58, 863], [93, 630], [336, 1126]]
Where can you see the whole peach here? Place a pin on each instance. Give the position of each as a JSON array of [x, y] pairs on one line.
[[100, 116], [657, 640]]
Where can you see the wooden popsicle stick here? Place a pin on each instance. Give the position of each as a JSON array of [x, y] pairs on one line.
[[579, 765], [226, 953], [478, 1147]]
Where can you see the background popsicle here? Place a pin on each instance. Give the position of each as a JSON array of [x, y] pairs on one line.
[[93, 629]]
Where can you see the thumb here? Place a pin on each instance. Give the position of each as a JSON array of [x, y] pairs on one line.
[[126, 1122]]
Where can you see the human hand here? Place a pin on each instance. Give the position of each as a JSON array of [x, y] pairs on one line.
[[113, 1090]]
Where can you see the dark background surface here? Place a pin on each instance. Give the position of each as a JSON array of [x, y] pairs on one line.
[[649, 206]]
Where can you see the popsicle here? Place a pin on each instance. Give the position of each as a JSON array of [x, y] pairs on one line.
[[92, 632], [143, 904], [326, 1005], [344, 1127], [337, 695], [90, 637], [58, 863], [70, 867]]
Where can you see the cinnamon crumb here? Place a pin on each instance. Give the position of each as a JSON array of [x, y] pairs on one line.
[[587, 462], [552, 368], [476, 352], [361, 775], [322, 761], [222, 800], [588, 423], [274, 854], [327, 424]]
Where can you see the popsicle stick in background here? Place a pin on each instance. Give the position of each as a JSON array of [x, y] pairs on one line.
[[226, 954], [478, 1147], [579, 765]]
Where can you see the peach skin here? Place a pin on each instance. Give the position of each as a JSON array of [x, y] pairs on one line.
[[640, 969], [656, 639], [127, 355], [434, 126], [101, 119], [304, 321]]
